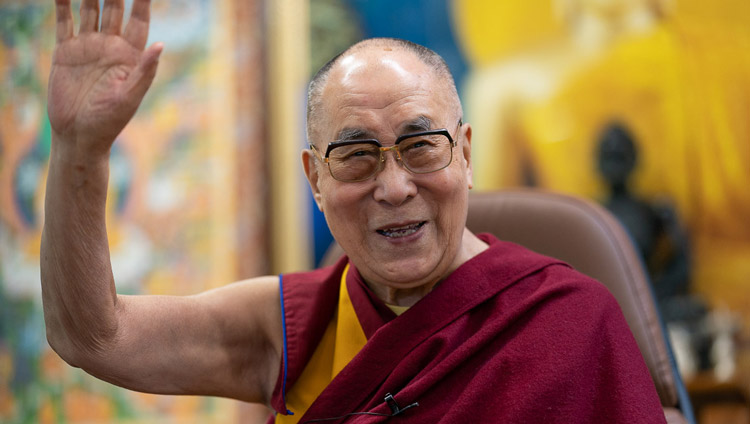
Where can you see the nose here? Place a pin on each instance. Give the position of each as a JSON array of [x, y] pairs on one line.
[[394, 183]]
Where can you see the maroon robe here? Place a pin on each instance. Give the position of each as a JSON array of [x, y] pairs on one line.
[[511, 336]]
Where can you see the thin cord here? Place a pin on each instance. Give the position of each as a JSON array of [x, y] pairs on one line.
[[395, 410]]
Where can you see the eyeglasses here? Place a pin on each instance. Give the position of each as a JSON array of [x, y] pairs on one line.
[[420, 153]]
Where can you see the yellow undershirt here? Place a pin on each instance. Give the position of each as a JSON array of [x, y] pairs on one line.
[[342, 340], [397, 309]]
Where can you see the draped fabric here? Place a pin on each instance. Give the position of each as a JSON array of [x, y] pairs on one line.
[[341, 341], [510, 336]]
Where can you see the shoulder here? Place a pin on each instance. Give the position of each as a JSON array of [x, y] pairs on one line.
[[569, 290], [311, 287], [516, 282], [516, 265], [539, 280], [504, 255]]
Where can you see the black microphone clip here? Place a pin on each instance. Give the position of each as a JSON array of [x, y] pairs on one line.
[[395, 409]]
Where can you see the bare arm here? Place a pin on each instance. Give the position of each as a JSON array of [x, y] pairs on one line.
[[225, 342]]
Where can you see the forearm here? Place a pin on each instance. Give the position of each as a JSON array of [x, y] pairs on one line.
[[225, 342], [77, 285]]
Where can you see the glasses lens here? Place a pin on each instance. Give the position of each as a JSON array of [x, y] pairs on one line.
[[352, 162], [426, 153]]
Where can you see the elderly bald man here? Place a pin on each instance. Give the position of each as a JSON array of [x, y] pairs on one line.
[[421, 321]]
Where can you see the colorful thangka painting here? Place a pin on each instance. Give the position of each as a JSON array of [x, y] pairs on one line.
[[163, 210]]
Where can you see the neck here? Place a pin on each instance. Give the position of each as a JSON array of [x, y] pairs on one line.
[[471, 246], [401, 297]]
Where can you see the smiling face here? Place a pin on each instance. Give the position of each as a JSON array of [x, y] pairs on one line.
[[404, 232]]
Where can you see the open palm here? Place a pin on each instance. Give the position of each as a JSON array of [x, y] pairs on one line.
[[99, 77]]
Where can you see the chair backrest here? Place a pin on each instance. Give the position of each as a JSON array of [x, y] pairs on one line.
[[589, 238]]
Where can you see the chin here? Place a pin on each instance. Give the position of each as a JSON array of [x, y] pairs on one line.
[[405, 273]]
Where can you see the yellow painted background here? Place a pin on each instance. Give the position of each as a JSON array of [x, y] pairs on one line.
[[677, 73]]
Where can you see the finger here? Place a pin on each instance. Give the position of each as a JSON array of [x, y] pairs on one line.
[[141, 78], [136, 31], [89, 16], [112, 16], [64, 26]]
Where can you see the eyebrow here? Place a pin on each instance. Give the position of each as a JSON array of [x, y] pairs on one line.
[[353, 134], [421, 123]]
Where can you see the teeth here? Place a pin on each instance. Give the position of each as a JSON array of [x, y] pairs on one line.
[[401, 231]]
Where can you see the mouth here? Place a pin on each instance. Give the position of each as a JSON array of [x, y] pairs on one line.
[[402, 231]]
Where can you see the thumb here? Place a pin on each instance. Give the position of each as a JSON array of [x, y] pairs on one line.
[[141, 78]]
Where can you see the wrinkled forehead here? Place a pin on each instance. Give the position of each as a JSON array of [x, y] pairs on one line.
[[389, 62], [381, 85], [377, 74]]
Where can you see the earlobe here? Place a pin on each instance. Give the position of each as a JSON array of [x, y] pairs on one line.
[[311, 172], [317, 198], [466, 149]]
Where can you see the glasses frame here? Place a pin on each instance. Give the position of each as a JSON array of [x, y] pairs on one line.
[[332, 145]]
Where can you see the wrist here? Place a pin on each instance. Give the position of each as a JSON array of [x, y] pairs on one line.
[[78, 151]]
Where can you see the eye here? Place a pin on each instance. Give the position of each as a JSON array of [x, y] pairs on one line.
[[417, 144], [359, 153], [354, 151]]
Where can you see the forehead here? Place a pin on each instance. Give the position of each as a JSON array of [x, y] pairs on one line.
[[381, 90]]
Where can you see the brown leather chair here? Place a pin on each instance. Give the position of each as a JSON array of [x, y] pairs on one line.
[[589, 238]]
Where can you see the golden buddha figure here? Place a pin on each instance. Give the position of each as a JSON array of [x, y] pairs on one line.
[[677, 75]]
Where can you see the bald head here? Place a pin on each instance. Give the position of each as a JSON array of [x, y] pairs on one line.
[[375, 46]]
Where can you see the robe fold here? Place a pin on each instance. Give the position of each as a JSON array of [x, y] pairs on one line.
[[510, 336]]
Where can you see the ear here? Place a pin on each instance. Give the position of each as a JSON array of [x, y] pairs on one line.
[[466, 150], [311, 172]]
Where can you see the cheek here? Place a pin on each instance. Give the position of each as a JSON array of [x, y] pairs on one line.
[[341, 205], [452, 202]]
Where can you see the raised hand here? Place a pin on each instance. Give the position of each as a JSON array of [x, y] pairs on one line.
[[99, 76]]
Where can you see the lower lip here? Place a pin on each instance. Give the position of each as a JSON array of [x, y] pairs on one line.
[[405, 239]]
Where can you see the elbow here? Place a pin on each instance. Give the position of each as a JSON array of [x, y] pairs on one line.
[[63, 346], [77, 351]]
